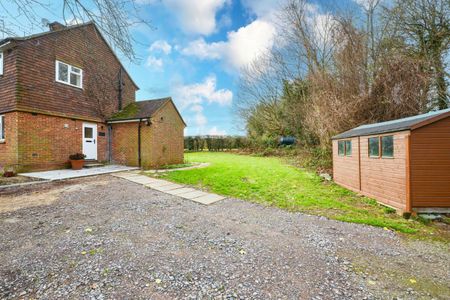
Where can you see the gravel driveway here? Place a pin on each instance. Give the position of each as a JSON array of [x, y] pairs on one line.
[[104, 237]]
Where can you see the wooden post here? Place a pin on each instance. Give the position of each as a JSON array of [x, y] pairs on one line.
[[359, 161], [408, 206]]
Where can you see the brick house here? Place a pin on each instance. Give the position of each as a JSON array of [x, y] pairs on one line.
[[63, 92]]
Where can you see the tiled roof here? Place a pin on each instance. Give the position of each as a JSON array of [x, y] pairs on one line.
[[140, 109]]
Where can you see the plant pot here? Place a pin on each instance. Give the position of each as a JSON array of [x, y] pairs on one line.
[[9, 174], [77, 164]]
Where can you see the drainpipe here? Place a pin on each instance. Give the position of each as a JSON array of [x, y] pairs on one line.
[[120, 88], [139, 143], [110, 143]]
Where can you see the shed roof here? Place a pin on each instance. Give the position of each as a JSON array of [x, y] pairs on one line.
[[394, 125], [142, 110]]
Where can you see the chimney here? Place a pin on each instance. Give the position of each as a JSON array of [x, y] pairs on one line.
[[56, 26]]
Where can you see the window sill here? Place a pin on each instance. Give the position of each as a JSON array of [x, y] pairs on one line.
[[2, 141], [65, 83], [387, 157]]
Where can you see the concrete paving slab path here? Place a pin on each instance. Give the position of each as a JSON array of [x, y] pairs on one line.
[[172, 188], [69, 173], [166, 188]]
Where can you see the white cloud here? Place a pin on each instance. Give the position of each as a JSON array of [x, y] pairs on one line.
[[191, 98], [162, 46], [205, 92], [200, 120], [74, 21], [367, 4], [198, 17], [154, 62], [265, 9], [215, 131], [197, 108], [322, 24], [201, 49], [241, 48]]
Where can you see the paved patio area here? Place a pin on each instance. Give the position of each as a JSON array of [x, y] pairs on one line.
[[68, 173], [172, 188]]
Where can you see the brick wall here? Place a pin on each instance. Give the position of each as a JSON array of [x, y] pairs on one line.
[[45, 142], [167, 138], [30, 75], [8, 82], [8, 148], [161, 143], [125, 143]]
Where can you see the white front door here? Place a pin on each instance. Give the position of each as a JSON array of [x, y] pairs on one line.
[[90, 140]]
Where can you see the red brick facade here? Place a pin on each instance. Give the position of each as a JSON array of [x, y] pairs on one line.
[[161, 141], [44, 118]]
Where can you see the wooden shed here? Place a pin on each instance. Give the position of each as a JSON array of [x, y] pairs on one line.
[[403, 163]]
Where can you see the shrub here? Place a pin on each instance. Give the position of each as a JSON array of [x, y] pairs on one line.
[[77, 156]]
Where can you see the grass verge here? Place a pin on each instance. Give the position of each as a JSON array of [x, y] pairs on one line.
[[271, 181]]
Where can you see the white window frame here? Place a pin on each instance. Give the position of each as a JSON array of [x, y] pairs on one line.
[[69, 72], [1, 62], [2, 128]]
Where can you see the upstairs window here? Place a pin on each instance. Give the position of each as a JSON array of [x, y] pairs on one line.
[[374, 147], [387, 146], [345, 148], [68, 74], [2, 128], [1, 63]]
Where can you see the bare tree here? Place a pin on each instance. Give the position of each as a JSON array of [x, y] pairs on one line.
[[424, 25], [115, 18], [314, 87]]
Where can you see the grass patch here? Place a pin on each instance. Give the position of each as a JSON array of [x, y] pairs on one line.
[[177, 166], [270, 180]]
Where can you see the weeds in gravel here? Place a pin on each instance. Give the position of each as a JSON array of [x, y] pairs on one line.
[[270, 180]]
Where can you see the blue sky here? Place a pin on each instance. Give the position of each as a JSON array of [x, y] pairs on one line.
[[195, 52]]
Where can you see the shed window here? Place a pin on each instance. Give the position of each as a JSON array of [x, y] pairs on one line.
[[1, 63], [387, 146], [341, 148], [348, 148], [345, 148], [68, 74], [2, 128], [374, 147]]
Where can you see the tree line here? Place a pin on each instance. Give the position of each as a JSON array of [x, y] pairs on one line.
[[382, 61], [215, 143]]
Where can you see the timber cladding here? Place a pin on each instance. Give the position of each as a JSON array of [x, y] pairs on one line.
[[430, 165], [385, 178], [346, 168], [415, 177]]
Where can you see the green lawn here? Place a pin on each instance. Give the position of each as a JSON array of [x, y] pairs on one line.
[[272, 181]]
